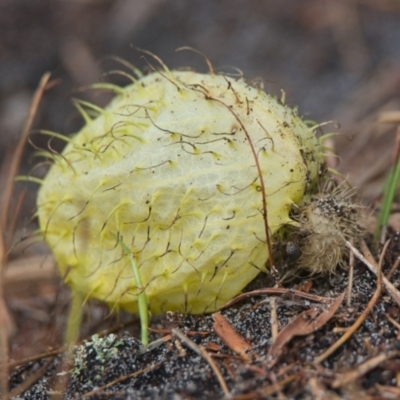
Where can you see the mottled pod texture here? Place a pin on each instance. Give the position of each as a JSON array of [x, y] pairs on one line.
[[176, 166]]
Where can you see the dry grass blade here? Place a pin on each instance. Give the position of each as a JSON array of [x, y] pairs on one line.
[[362, 369], [351, 275], [389, 392], [100, 389], [296, 327], [61, 349], [154, 345], [307, 322], [38, 357], [201, 351], [17, 154], [230, 337], [393, 269], [273, 291], [30, 380], [274, 320], [395, 323], [389, 117], [361, 318], [319, 391], [369, 261], [269, 391], [12, 168], [30, 270]]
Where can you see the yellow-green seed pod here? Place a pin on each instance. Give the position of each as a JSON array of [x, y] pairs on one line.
[[182, 168]]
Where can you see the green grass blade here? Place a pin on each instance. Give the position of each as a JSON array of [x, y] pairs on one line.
[[388, 196]]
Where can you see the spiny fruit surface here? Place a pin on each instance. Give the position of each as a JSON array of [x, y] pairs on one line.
[[176, 166]]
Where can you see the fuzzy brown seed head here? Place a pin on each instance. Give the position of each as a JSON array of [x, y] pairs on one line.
[[327, 221]]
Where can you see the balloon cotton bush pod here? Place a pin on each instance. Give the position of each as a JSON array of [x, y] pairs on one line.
[[194, 173]]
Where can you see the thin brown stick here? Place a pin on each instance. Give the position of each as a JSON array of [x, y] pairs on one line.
[[393, 269], [153, 345], [369, 261], [60, 349], [17, 154], [200, 350], [120, 379], [38, 357], [304, 324], [361, 318], [362, 369], [351, 275], [274, 319], [319, 391], [15, 213], [272, 291], [30, 380], [14, 162], [391, 391], [395, 323], [268, 391]]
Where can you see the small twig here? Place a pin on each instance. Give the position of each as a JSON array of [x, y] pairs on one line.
[[395, 323], [153, 345], [351, 275], [16, 212], [362, 369], [304, 324], [394, 392], [60, 349], [120, 379], [272, 291], [319, 391], [369, 261], [274, 380], [361, 318], [201, 351], [30, 380], [268, 391], [38, 357], [8, 189], [17, 154], [393, 269], [274, 319]]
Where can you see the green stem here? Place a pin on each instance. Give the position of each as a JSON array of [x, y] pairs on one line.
[[74, 318], [142, 299]]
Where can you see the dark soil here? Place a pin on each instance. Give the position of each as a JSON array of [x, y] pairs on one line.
[[178, 372]]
